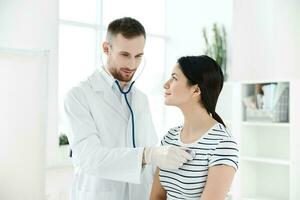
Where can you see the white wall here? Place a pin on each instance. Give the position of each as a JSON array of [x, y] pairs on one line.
[[32, 25], [266, 43], [184, 23], [23, 126], [58, 183]]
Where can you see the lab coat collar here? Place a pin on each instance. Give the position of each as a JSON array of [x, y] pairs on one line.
[[102, 75], [97, 82]]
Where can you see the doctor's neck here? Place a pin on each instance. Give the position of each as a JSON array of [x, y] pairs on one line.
[[122, 84]]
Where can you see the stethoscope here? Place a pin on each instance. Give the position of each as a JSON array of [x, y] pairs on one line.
[[143, 62], [130, 109]]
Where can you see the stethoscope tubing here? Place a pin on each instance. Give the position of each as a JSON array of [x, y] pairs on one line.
[[130, 108], [126, 99]]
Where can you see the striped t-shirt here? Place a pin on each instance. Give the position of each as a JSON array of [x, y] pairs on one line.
[[215, 147]]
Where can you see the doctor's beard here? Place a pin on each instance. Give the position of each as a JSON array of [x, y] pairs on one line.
[[123, 74]]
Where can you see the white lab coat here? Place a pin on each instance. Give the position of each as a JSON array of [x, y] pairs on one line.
[[107, 167]]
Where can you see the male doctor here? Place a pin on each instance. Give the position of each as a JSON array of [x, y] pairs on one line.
[[111, 164]]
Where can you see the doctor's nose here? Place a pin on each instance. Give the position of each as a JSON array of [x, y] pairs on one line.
[[132, 64]]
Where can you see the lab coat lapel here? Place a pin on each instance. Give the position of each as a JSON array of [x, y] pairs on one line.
[[100, 85], [136, 112], [112, 100], [134, 101]]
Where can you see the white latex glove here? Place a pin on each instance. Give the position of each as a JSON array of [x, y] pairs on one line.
[[166, 157]]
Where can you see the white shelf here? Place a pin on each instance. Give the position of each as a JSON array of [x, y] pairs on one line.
[[266, 124], [249, 82], [266, 160], [262, 198], [269, 158]]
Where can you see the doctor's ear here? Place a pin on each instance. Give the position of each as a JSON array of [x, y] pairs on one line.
[[105, 47]]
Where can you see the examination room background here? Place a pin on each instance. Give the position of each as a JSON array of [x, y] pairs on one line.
[[46, 46]]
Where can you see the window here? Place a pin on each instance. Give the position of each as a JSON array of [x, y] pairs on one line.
[[82, 27], [150, 13]]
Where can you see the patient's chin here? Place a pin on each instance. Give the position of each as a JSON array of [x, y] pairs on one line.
[[168, 103]]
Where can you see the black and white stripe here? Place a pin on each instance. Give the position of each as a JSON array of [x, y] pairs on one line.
[[216, 147]]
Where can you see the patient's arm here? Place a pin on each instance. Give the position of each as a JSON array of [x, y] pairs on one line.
[[157, 192], [218, 182]]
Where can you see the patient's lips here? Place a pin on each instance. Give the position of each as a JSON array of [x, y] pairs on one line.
[[167, 94]]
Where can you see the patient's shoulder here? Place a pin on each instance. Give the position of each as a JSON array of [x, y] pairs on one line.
[[171, 138], [174, 131]]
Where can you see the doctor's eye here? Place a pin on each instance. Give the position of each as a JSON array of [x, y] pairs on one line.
[[139, 56], [124, 54]]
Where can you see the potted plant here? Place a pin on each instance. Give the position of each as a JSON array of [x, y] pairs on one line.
[[217, 46], [63, 139], [64, 148]]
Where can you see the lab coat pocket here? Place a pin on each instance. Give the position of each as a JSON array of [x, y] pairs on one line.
[[147, 179], [142, 191], [84, 195], [93, 184]]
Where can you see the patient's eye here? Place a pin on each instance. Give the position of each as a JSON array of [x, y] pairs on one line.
[[174, 78]]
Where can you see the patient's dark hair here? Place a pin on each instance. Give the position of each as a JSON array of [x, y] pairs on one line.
[[127, 26], [207, 74]]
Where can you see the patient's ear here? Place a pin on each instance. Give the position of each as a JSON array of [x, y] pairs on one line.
[[196, 91]]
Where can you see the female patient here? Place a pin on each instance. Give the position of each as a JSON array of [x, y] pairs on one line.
[[194, 87]]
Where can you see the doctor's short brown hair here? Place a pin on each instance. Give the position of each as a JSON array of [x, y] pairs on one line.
[[127, 26]]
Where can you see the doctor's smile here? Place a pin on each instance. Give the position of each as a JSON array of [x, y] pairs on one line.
[[128, 71]]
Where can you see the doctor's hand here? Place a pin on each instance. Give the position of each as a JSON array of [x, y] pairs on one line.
[[166, 157]]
